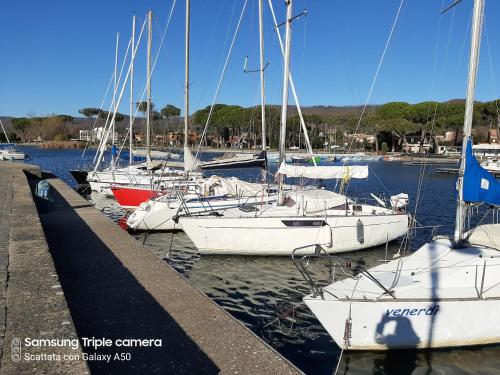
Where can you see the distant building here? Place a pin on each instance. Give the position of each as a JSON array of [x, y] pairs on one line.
[[97, 134], [93, 135], [419, 142], [410, 143], [84, 135], [361, 138]]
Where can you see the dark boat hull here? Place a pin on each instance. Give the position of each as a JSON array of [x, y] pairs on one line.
[[259, 160], [79, 176]]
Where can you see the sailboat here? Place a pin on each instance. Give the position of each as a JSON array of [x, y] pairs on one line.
[[98, 179], [200, 194], [136, 183], [445, 294], [10, 153], [210, 195], [300, 218], [186, 180]]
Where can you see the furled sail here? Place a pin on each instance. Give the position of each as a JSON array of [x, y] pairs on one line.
[[324, 172], [478, 184], [190, 162]]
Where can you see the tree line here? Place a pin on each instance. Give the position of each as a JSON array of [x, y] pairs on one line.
[[233, 121], [54, 127], [399, 117], [57, 127]]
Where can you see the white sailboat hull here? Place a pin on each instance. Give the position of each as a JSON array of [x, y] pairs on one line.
[[271, 236], [417, 324], [441, 297], [159, 216]]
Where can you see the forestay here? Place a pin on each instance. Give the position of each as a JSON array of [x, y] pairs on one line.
[[324, 172]]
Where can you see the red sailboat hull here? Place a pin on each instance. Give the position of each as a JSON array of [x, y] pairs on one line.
[[131, 197]]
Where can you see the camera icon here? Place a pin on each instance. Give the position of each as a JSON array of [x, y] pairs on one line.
[[15, 349]]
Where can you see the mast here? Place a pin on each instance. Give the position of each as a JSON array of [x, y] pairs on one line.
[[186, 77], [4, 132], [292, 86], [477, 23], [131, 121], [115, 89], [262, 67], [102, 145], [284, 103], [148, 89]]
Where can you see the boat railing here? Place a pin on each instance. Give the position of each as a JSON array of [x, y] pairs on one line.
[[182, 200], [302, 261], [375, 202], [205, 203], [415, 226]]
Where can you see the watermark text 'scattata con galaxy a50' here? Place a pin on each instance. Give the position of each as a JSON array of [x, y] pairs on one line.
[[38, 349]]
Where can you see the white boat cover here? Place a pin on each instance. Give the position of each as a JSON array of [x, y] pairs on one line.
[[485, 235], [190, 162], [399, 201], [324, 172], [235, 187], [318, 199], [153, 164]]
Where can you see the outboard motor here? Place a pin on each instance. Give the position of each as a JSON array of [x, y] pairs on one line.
[[43, 196]]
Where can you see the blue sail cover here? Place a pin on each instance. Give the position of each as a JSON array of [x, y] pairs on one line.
[[125, 156], [479, 184]]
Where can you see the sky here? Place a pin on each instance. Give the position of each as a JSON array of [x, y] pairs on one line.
[[58, 56]]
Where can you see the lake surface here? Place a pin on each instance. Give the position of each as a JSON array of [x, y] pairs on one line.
[[265, 292]]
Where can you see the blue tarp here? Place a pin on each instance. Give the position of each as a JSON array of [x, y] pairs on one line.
[[125, 156], [479, 184]]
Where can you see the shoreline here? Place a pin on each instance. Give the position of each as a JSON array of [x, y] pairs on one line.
[[389, 156]]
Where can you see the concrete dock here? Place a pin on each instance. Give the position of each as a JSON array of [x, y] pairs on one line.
[[32, 303], [104, 284]]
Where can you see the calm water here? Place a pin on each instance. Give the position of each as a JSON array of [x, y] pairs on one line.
[[265, 293]]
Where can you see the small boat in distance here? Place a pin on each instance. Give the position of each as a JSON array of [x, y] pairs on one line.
[[9, 152]]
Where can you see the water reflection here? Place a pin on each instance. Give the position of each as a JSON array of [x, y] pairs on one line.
[[471, 361]]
